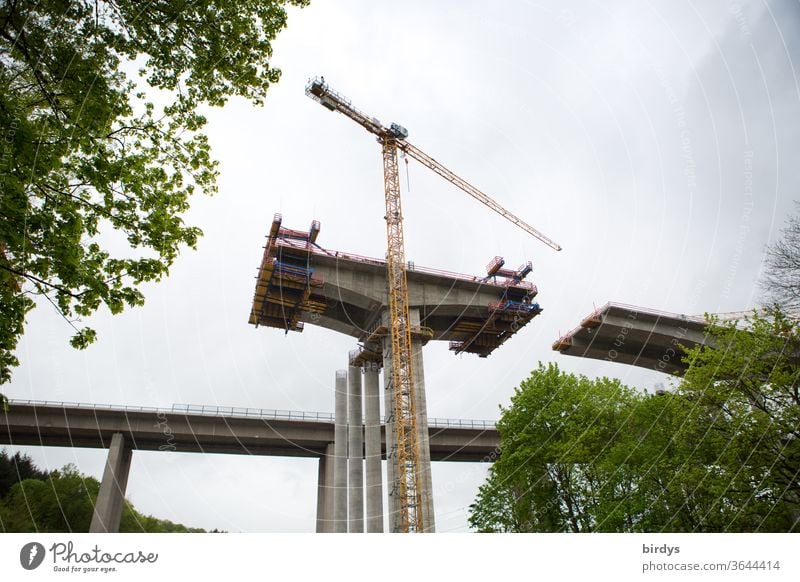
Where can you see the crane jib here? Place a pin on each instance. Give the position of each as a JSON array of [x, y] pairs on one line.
[[451, 177]]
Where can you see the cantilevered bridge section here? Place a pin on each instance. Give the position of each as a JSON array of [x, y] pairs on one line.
[[300, 282], [636, 336]]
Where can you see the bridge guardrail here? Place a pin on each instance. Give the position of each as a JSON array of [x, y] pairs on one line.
[[244, 412], [88, 406]]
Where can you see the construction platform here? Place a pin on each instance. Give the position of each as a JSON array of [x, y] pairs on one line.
[[636, 336], [300, 282]]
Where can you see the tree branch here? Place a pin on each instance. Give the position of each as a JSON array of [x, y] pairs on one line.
[[39, 281]]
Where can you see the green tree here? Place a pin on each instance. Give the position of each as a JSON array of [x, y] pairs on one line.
[[744, 419], [720, 454], [87, 154], [16, 468], [134, 522], [63, 501], [570, 447]]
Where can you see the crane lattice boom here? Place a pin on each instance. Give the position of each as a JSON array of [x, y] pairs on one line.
[[393, 138]]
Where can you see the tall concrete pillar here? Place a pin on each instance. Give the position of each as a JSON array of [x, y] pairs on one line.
[[108, 509], [423, 442], [325, 491], [355, 475], [392, 499], [423, 437], [340, 454], [372, 448]]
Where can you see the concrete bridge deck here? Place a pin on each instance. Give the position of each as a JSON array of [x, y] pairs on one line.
[[300, 282], [636, 336], [212, 429]]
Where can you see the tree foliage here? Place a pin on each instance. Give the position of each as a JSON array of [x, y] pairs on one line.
[[60, 501], [87, 153], [745, 415], [16, 468], [581, 455]]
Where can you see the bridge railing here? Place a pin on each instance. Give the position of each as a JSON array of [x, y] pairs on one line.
[[244, 412], [461, 423], [314, 416], [266, 413], [88, 406]]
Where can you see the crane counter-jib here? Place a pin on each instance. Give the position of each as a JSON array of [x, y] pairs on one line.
[[318, 90]]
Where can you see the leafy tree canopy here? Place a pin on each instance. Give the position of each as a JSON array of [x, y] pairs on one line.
[[16, 468], [719, 454], [745, 414], [85, 153], [577, 455], [60, 501]]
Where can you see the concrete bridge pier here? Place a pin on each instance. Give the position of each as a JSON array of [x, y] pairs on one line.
[[372, 448], [422, 428], [108, 508], [423, 440], [340, 454], [355, 451], [325, 491], [392, 499]]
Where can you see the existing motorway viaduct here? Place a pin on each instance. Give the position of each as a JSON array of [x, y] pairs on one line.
[[204, 429]]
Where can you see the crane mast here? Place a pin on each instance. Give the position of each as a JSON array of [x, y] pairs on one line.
[[405, 407], [402, 374], [393, 138]]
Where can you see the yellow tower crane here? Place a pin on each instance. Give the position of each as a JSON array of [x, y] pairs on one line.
[[393, 138]]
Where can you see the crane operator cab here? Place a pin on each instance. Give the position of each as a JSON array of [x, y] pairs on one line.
[[398, 131]]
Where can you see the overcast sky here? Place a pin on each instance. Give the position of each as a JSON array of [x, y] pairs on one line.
[[657, 142]]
